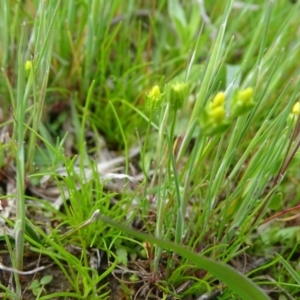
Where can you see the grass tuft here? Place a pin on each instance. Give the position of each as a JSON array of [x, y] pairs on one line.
[[149, 149]]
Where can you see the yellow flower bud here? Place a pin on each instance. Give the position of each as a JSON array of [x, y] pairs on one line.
[[293, 115], [155, 92], [28, 65], [154, 99], [217, 114], [213, 118], [245, 96], [296, 109], [242, 102], [218, 100]]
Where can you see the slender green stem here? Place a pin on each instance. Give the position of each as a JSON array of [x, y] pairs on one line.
[[159, 232], [143, 154], [20, 161]]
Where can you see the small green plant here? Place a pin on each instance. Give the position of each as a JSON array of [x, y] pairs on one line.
[[38, 286]]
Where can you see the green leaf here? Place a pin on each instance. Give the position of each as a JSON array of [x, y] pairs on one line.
[[34, 284], [46, 279], [36, 291], [289, 268], [238, 283]]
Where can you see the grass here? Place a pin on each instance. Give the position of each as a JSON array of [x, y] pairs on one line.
[[149, 150]]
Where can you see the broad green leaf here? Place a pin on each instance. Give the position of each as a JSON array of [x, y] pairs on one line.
[[34, 284], [46, 279]]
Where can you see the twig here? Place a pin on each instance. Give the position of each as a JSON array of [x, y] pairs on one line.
[[13, 270]]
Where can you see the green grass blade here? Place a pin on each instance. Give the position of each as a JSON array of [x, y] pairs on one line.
[[289, 268], [240, 284]]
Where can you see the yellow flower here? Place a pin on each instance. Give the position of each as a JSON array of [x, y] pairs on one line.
[[296, 109]]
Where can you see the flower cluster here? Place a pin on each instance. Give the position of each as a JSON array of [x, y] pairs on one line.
[[242, 102], [176, 94], [213, 117], [217, 114]]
